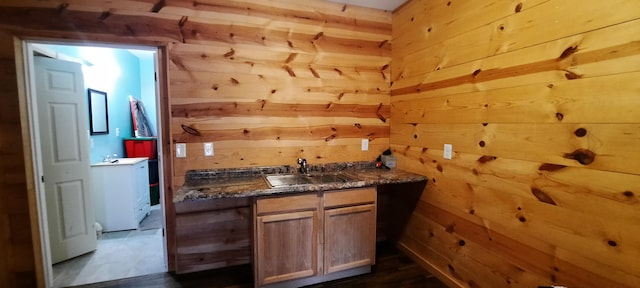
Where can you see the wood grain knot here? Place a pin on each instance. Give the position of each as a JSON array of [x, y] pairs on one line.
[[583, 156], [450, 228], [477, 72], [62, 7], [550, 167], [485, 124], [628, 194], [568, 52], [439, 167], [475, 171], [542, 196], [580, 132], [472, 211], [415, 136], [481, 144], [289, 70], [234, 81], [104, 15], [519, 7], [486, 158], [230, 53], [461, 243], [358, 125], [572, 75], [158, 6], [612, 243], [522, 219], [559, 116], [190, 130]]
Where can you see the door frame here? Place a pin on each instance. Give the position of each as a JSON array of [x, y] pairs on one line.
[[25, 74]]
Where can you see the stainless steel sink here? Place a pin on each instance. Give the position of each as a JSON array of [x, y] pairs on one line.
[[287, 180], [283, 180]]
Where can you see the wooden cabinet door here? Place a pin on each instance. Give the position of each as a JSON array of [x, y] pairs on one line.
[[287, 246], [350, 237]]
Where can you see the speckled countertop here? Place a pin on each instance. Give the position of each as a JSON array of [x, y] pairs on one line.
[[249, 182]]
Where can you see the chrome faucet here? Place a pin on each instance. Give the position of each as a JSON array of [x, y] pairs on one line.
[[303, 165]]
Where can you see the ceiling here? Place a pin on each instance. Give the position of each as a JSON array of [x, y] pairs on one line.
[[388, 5]]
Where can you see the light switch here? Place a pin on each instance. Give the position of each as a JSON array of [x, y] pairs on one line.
[[448, 151], [365, 144], [181, 150], [208, 149]]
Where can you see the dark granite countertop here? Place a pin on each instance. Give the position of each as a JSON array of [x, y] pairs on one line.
[[249, 182]]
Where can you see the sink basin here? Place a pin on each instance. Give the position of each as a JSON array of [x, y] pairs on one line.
[[283, 180], [287, 180]]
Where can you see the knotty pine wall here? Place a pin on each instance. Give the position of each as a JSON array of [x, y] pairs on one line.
[[541, 101], [266, 81]]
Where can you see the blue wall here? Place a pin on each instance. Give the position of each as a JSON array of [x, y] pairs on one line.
[[148, 89], [120, 74]]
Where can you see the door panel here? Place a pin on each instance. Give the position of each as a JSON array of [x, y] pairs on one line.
[[350, 237], [71, 206], [287, 246], [66, 146], [62, 118]]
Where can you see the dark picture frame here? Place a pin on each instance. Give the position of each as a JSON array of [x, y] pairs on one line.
[[98, 112]]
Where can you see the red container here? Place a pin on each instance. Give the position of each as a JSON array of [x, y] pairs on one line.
[[140, 147]]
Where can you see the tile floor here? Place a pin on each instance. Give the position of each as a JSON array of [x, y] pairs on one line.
[[121, 254]]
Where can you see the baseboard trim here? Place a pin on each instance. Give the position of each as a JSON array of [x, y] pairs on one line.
[[321, 278], [444, 277]]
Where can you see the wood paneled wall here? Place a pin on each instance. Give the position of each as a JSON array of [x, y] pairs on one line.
[[17, 259], [540, 100], [265, 81]]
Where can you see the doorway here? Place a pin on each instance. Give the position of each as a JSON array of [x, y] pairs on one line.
[[116, 250]]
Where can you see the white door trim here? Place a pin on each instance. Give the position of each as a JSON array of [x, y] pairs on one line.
[[34, 126]]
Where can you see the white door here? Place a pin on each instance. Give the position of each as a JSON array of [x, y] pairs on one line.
[[62, 117]]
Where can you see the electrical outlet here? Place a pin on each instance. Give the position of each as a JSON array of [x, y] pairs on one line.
[[365, 144], [208, 149], [117, 132], [448, 151], [181, 150]]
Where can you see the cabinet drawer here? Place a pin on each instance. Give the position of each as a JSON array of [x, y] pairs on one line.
[[339, 198], [287, 203]]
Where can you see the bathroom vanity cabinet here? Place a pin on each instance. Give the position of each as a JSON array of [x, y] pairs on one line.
[[120, 193]]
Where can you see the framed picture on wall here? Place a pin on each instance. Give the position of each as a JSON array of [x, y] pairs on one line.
[[98, 112]]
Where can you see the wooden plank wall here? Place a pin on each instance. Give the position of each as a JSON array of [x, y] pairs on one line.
[[266, 81], [17, 262], [540, 101]]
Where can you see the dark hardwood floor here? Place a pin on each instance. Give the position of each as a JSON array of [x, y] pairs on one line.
[[393, 269]]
